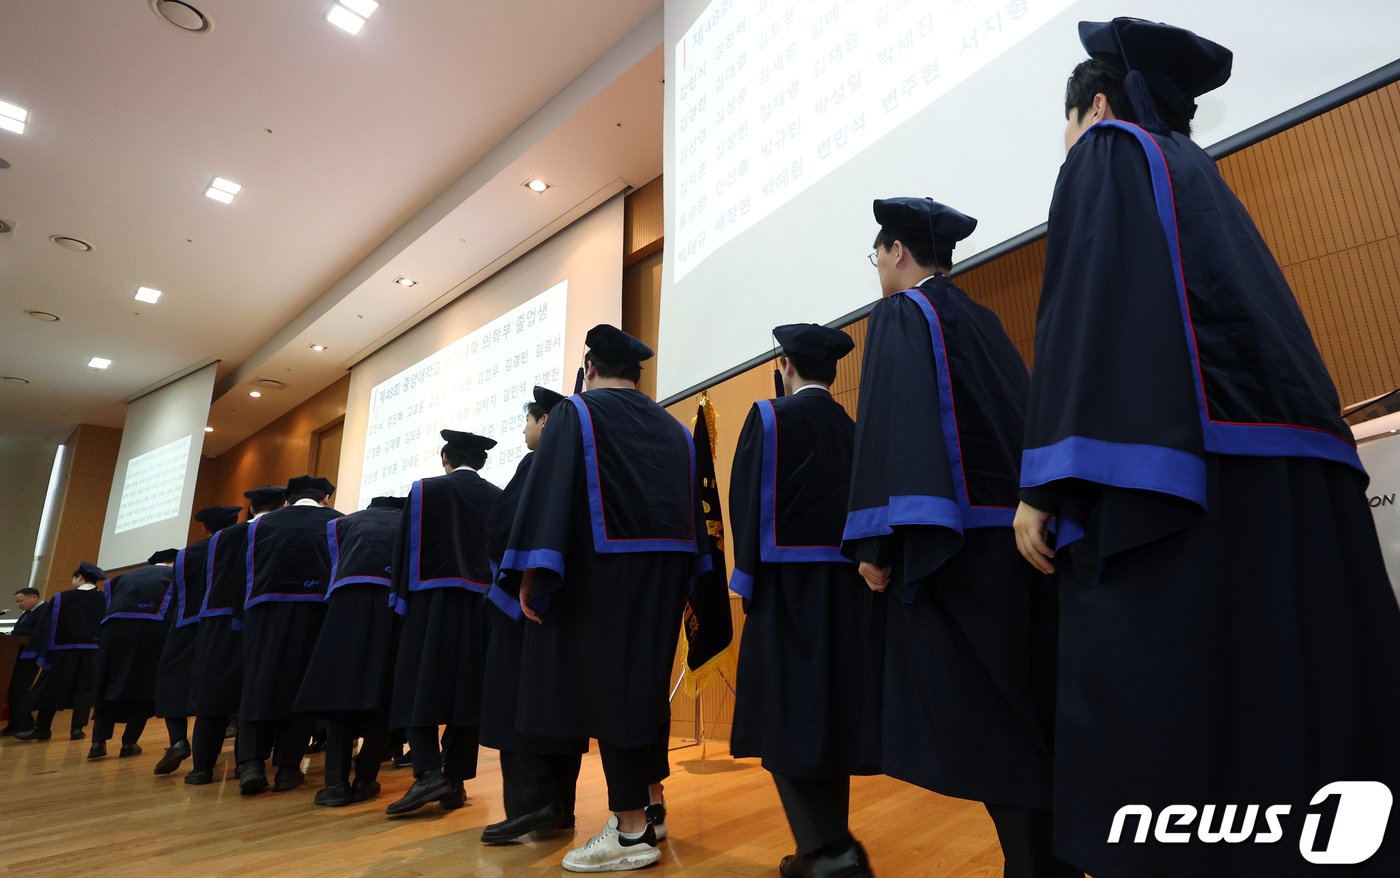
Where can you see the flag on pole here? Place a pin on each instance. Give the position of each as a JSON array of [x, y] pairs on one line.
[[707, 631]]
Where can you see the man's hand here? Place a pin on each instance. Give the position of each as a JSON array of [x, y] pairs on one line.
[[1030, 527], [878, 578], [527, 587]]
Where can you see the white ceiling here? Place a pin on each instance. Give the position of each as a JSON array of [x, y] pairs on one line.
[[396, 152]]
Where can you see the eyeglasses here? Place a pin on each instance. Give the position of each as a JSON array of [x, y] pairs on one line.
[[874, 255]]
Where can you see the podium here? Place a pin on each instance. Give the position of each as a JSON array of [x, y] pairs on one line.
[[10, 646]]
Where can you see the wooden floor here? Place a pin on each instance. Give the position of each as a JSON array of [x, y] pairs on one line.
[[66, 816]]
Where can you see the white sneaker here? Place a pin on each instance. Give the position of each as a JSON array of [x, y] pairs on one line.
[[608, 851]]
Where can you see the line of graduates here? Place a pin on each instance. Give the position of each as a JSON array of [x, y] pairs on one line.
[[1146, 573]]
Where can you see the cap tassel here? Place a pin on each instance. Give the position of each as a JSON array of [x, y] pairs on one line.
[[1143, 103], [578, 382]]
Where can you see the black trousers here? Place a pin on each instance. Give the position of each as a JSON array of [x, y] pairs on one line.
[[284, 740], [177, 728], [341, 732], [1025, 843], [133, 714], [817, 809], [531, 781], [208, 741], [457, 756], [630, 770], [21, 720]]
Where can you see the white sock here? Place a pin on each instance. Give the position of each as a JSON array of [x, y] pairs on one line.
[[633, 836]]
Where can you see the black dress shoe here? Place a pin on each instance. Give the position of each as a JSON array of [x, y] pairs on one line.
[[404, 761], [199, 778], [511, 829], [129, 750], [455, 797], [33, 735], [252, 778], [174, 755], [8, 731], [431, 787], [793, 866], [97, 750], [850, 863], [363, 790], [287, 779], [75, 735], [333, 796]]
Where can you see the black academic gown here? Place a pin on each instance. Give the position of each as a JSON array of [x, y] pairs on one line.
[[609, 524], [173, 675], [216, 673], [801, 693], [288, 569], [352, 664], [1228, 631], [440, 573], [25, 669], [66, 649], [133, 635], [505, 639], [965, 631]]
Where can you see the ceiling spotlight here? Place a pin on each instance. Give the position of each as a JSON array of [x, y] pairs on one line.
[[42, 316], [13, 118], [255, 394], [405, 281], [148, 295], [68, 242], [317, 347], [99, 363], [208, 429], [222, 190], [535, 184], [350, 15], [182, 15]]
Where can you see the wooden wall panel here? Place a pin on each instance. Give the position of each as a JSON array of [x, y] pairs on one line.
[[83, 506], [643, 219]]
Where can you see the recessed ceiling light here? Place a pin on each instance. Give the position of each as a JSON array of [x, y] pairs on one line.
[[13, 117], [255, 394], [405, 281], [317, 347], [6, 227], [350, 15], [208, 429], [15, 379], [146, 294], [182, 15], [99, 362], [222, 190], [535, 184], [68, 242], [43, 316]]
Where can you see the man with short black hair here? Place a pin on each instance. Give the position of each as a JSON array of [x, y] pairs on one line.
[[28, 601], [288, 569], [66, 652], [133, 635], [606, 539], [216, 675], [441, 570]]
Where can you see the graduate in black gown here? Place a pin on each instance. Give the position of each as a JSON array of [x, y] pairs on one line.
[[605, 542], [216, 675], [1228, 634], [441, 571], [133, 635], [66, 652], [539, 775], [288, 569], [177, 658], [29, 602], [800, 696], [963, 635], [348, 677]]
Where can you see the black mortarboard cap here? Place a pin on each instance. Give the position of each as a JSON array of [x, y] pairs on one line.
[[266, 495], [90, 571], [926, 218], [617, 348], [820, 343], [388, 502], [546, 398], [1171, 62], [164, 556], [310, 483], [218, 517], [460, 441]]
